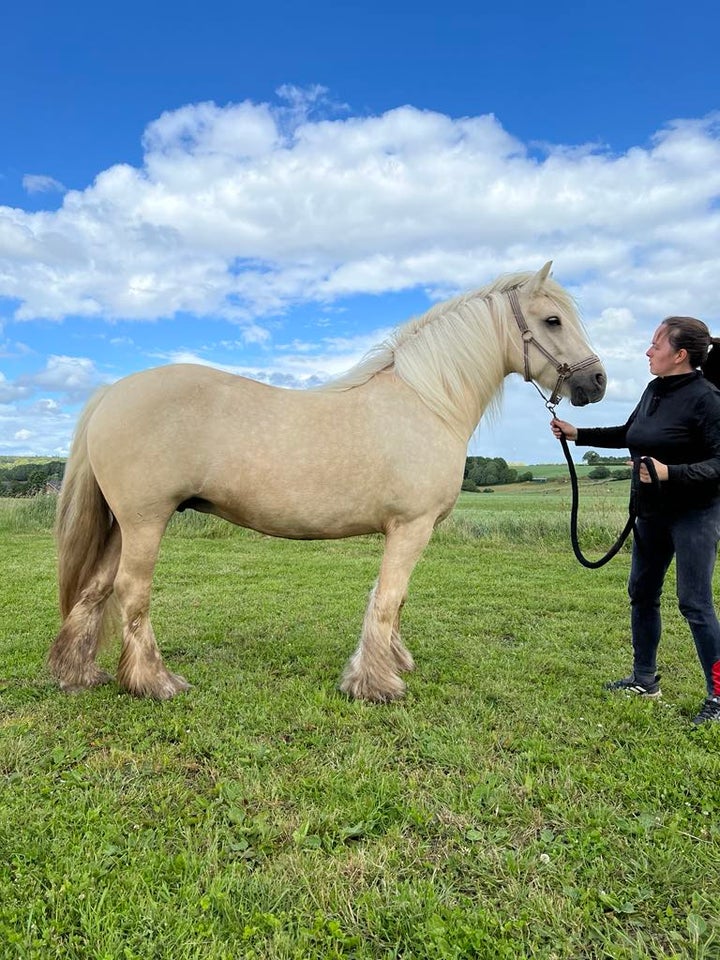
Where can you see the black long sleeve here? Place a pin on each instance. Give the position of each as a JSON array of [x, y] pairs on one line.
[[677, 422]]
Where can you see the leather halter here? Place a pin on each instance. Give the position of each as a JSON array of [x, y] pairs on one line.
[[564, 370]]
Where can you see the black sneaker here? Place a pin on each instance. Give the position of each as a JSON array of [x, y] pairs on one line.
[[710, 710], [631, 685]]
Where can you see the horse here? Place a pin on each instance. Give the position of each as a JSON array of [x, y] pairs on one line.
[[379, 449]]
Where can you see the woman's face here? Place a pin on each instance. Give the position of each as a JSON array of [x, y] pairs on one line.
[[665, 360]]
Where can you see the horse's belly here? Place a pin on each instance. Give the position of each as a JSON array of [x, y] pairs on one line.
[[327, 507], [297, 524]]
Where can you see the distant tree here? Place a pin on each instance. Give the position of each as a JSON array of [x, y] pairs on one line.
[[591, 457], [599, 473], [487, 471], [36, 481], [489, 474]]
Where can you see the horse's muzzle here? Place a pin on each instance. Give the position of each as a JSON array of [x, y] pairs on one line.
[[587, 387]]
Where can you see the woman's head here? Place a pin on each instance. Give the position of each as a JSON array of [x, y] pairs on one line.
[[690, 335], [693, 336]]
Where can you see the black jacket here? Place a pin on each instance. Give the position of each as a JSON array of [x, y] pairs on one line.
[[678, 423]]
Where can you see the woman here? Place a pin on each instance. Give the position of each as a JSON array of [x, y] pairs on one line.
[[677, 425]]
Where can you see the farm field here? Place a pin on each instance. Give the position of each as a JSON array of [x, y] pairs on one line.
[[506, 808]]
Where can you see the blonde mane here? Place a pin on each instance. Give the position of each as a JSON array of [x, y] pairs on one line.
[[453, 356]]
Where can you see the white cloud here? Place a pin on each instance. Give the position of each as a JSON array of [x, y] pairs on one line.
[[243, 210], [11, 391], [11, 349], [75, 378], [40, 183]]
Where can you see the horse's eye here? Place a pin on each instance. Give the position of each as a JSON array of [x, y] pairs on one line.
[[552, 321]]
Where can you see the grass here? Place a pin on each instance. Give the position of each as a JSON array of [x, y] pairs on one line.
[[507, 808], [536, 516]]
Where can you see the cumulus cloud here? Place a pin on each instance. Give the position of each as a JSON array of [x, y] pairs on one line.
[[75, 378], [244, 210]]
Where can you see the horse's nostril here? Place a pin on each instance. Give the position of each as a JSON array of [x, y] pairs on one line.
[[600, 379]]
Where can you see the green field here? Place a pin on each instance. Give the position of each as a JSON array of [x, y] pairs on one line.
[[506, 808]]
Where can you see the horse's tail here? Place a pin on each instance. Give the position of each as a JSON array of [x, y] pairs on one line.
[[83, 520]]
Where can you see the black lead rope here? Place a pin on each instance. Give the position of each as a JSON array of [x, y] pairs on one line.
[[632, 509]]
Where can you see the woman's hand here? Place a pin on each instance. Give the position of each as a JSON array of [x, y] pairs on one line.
[[660, 468], [561, 428]]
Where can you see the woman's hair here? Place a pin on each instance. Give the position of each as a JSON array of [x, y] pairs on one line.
[[703, 350]]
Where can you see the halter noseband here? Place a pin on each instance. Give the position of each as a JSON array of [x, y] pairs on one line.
[[564, 370]]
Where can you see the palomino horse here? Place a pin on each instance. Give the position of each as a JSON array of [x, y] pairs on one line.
[[380, 449]]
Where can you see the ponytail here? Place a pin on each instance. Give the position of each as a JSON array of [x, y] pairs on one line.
[[711, 366]]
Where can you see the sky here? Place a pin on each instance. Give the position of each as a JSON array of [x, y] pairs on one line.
[[271, 189]]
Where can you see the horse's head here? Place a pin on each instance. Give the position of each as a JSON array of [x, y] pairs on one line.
[[549, 345]]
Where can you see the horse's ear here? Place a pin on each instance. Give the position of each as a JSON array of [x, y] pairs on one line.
[[534, 283]]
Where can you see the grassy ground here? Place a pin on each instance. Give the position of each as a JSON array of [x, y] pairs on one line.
[[507, 808]]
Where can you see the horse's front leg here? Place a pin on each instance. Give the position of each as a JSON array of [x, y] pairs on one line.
[[372, 671]]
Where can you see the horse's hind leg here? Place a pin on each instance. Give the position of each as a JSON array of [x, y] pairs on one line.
[[141, 670], [72, 655], [372, 671]]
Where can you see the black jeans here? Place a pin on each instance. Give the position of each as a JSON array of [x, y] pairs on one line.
[[692, 537]]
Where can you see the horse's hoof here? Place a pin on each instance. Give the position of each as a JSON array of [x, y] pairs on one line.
[[172, 684], [163, 688], [92, 678], [359, 689], [160, 686]]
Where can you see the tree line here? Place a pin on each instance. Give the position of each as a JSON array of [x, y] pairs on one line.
[[27, 479], [592, 457]]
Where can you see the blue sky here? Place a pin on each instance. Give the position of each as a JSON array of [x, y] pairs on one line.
[[272, 189]]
